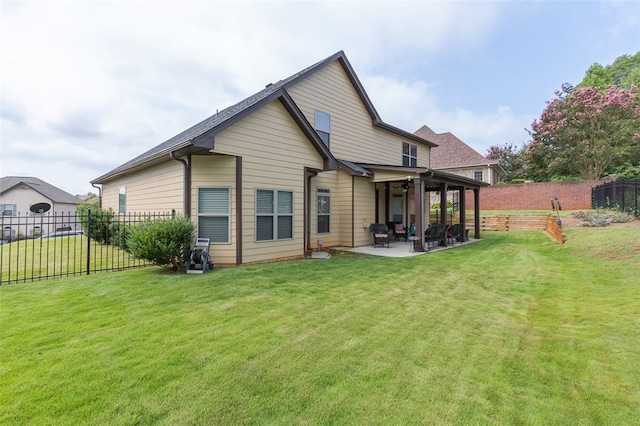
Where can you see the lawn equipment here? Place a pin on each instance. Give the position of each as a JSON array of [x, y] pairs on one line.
[[199, 259]]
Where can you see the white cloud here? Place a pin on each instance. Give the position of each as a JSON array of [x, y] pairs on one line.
[[412, 105], [87, 86]]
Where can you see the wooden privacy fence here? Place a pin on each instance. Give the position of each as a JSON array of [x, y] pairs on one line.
[[510, 223], [546, 223]]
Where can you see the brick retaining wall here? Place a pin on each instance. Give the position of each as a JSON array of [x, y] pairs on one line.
[[535, 196]]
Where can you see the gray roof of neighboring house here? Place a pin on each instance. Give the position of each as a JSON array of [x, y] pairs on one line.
[[201, 135], [451, 151], [47, 190]]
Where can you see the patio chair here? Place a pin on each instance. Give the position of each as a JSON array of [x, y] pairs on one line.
[[456, 232], [400, 231], [436, 234], [380, 233]]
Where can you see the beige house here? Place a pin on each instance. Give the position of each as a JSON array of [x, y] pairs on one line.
[[454, 156], [307, 161], [19, 198]]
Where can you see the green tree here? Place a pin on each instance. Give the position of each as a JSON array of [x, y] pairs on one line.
[[623, 72], [510, 158], [597, 76]]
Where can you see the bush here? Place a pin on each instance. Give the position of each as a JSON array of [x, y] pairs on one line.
[[165, 242], [119, 235], [602, 217], [100, 222]]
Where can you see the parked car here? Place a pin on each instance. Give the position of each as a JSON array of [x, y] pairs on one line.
[[63, 234]]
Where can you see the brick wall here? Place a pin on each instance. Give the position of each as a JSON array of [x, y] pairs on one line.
[[535, 196]]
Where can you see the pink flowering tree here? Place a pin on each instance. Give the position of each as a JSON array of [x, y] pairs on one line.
[[585, 133]]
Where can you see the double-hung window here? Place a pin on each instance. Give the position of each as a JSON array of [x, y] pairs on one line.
[[274, 215], [8, 209], [214, 211], [477, 175], [323, 126], [409, 154], [324, 211]]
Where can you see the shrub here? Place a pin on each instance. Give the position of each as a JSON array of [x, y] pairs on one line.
[[436, 205], [100, 222], [602, 217], [119, 235], [165, 242]]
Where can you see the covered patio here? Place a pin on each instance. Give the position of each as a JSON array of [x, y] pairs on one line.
[[401, 197], [400, 249]]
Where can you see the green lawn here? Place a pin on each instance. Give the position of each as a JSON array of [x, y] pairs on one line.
[[514, 329], [33, 259]]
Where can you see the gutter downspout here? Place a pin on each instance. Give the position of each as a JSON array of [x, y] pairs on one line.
[[99, 188], [308, 218], [186, 190]]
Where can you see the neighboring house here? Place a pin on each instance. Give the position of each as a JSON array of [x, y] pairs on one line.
[[307, 161], [454, 156], [17, 196]]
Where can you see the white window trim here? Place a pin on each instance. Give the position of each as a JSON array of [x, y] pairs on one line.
[[409, 156], [122, 207]]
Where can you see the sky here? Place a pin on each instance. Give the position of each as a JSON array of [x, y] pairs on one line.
[[87, 85]]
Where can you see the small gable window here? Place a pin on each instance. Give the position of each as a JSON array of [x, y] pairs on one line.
[[122, 199], [323, 126], [409, 154]]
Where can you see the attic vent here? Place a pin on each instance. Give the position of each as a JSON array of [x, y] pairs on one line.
[[268, 85]]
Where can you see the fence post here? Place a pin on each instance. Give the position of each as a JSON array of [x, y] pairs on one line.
[[88, 241]]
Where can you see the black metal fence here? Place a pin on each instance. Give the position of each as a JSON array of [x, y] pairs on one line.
[[44, 246], [622, 194]]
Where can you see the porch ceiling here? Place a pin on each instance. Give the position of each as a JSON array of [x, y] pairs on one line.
[[433, 178]]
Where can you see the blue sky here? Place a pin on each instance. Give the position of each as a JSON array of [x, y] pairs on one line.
[[86, 86]]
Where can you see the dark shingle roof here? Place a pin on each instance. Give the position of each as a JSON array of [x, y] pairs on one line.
[[195, 135], [451, 151], [47, 190]]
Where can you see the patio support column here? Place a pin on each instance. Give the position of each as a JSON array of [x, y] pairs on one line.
[[387, 201], [476, 212], [443, 206], [463, 213], [418, 197], [238, 210]]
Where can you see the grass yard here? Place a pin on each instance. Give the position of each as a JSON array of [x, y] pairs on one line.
[[514, 329], [30, 259]]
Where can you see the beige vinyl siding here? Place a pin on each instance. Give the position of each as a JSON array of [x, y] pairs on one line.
[[364, 210], [216, 171], [155, 190], [342, 203], [353, 137], [25, 197], [274, 155], [59, 215]]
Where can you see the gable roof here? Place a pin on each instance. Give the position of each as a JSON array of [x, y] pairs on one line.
[[47, 190], [201, 137], [451, 151]]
